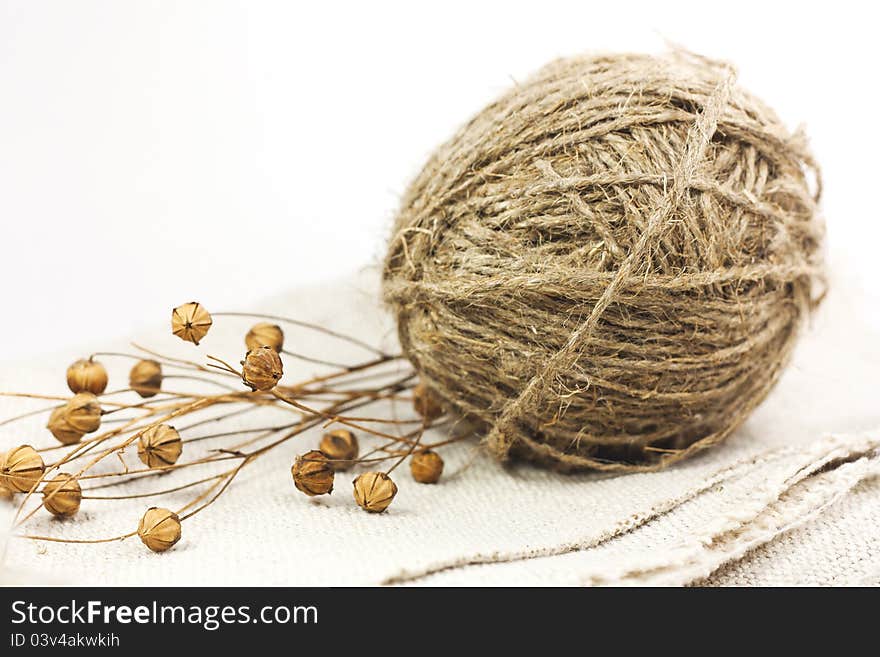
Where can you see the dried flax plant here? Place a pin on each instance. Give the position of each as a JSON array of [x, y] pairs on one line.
[[95, 428]]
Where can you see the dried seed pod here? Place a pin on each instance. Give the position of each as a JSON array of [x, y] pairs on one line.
[[374, 491], [159, 446], [145, 378], [265, 334], [190, 322], [5, 491], [313, 474], [341, 447], [262, 368], [62, 495], [159, 529], [426, 403], [83, 412], [61, 429], [87, 375], [426, 467], [22, 469]]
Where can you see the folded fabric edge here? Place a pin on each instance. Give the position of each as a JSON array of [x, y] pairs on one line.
[[804, 459], [776, 509]]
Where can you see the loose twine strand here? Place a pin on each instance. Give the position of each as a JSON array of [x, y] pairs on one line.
[[650, 195]]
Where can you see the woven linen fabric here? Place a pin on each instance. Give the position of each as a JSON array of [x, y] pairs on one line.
[[793, 497]]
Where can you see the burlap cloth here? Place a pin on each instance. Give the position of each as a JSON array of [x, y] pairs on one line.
[[791, 498]]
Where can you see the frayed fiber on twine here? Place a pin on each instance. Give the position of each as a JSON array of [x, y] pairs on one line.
[[608, 266]]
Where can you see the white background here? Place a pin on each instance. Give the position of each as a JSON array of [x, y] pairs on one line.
[[154, 152]]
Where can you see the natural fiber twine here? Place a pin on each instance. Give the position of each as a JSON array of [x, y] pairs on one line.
[[608, 266]]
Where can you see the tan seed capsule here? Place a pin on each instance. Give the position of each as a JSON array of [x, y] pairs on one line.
[[83, 412], [62, 495], [61, 429], [312, 474], [159, 529], [341, 447], [426, 403], [426, 467], [159, 446], [87, 375], [5, 491], [145, 378], [190, 322], [265, 334], [22, 469], [374, 491], [262, 368]]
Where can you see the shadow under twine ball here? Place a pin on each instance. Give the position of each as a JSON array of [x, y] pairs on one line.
[[608, 266]]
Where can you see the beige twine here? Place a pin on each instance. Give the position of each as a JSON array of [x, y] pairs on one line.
[[608, 266]]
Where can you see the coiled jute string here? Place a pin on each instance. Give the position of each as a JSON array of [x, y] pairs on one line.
[[608, 267]]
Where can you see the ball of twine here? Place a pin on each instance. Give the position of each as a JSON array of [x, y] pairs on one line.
[[608, 266]]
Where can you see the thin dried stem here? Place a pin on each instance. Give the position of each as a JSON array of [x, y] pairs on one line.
[[310, 359], [308, 325], [173, 362], [411, 449], [225, 366], [56, 539], [29, 414], [164, 491]]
